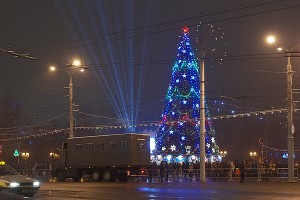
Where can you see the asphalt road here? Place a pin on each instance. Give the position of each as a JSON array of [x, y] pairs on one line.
[[168, 190]]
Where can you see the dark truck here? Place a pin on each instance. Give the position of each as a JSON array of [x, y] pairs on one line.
[[103, 158]]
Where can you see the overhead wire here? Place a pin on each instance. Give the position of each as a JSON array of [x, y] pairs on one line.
[[170, 29], [165, 23]]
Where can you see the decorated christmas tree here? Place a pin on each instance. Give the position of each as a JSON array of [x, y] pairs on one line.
[[178, 132]]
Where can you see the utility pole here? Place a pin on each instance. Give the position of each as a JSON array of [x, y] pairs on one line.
[[202, 119], [71, 134], [75, 66], [290, 138], [291, 129], [266, 137]]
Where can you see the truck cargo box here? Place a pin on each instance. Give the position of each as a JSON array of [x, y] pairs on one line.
[[109, 150]]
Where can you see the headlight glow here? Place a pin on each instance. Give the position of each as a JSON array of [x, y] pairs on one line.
[[36, 183], [14, 184]]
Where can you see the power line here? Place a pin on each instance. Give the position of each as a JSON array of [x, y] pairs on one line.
[[164, 23], [172, 29]]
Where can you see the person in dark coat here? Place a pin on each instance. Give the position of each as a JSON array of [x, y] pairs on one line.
[[242, 171], [162, 171], [150, 172]]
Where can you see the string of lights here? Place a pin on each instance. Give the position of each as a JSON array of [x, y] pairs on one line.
[[17, 55], [146, 124], [275, 149]]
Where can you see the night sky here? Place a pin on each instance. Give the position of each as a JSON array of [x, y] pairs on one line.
[[130, 48]]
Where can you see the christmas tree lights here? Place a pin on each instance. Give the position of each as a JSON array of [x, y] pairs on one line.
[[178, 132]]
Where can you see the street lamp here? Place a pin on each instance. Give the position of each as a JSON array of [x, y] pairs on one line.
[[25, 155], [253, 155], [223, 154], [54, 156], [290, 125], [52, 68], [74, 66]]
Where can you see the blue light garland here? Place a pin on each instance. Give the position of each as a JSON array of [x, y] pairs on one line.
[[179, 123]]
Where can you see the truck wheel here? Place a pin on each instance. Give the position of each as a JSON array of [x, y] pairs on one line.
[[61, 175], [107, 176], [123, 177], [79, 176], [96, 175]]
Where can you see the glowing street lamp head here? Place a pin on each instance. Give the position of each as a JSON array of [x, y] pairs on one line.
[[52, 68], [279, 49], [271, 39], [76, 63], [25, 155], [253, 154]]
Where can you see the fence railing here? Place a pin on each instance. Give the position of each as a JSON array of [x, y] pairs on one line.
[[260, 174], [214, 174], [37, 173]]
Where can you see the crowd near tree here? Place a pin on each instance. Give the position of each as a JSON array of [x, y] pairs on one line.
[[218, 171]]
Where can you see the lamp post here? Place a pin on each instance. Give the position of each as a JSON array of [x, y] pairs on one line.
[[202, 117], [290, 125], [74, 66]]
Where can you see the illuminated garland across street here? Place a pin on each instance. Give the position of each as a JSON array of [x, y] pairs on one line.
[[49, 132]]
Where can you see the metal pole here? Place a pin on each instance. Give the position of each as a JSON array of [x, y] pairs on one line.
[[290, 138], [266, 137], [202, 124], [262, 153], [71, 134]]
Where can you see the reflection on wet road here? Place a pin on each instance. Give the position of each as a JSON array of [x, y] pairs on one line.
[[170, 190]]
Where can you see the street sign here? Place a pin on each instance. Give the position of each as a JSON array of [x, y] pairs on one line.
[[16, 153]]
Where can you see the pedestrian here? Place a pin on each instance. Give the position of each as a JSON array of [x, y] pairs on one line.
[[179, 169], [167, 170], [191, 170], [150, 172], [184, 169], [162, 171], [34, 170], [242, 171], [231, 170], [259, 171]]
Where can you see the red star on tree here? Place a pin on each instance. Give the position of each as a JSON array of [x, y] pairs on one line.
[[185, 29]]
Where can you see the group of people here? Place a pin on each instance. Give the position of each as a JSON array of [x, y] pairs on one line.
[[216, 170], [164, 170]]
